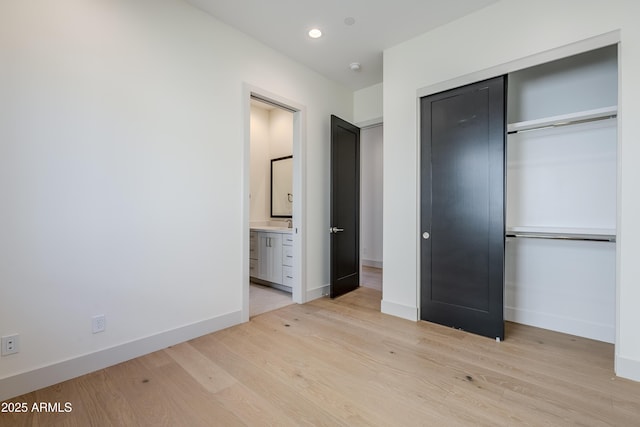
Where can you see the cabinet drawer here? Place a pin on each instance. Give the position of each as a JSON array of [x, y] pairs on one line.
[[253, 267], [287, 256], [287, 239], [287, 276], [253, 245]]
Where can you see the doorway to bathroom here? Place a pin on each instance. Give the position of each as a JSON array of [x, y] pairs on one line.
[[273, 229]]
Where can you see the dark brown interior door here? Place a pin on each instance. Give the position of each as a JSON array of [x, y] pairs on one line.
[[462, 207], [345, 207]]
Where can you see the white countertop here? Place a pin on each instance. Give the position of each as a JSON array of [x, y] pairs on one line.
[[272, 229]]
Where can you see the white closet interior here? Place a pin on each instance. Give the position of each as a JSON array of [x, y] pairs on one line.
[[561, 195]]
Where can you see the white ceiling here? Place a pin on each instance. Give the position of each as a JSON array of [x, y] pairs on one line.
[[379, 24]]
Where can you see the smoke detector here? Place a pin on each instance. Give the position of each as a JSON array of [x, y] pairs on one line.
[[355, 66]]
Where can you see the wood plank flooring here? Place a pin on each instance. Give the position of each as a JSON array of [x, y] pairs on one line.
[[343, 363]]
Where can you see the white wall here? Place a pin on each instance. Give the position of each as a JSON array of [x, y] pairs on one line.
[[578, 83], [371, 171], [367, 105], [505, 32], [122, 129], [271, 138], [280, 133], [259, 174]]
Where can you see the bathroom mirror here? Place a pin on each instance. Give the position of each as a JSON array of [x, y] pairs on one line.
[[282, 187]]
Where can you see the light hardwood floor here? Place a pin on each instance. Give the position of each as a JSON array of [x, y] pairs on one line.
[[343, 363]]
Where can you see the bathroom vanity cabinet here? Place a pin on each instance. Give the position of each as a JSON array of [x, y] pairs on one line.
[[271, 257]]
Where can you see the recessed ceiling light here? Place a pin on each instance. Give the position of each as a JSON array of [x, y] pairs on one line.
[[355, 66], [315, 33], [350, 20]]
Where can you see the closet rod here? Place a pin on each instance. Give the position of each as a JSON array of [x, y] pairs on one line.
[[563, 123], [560, 236]]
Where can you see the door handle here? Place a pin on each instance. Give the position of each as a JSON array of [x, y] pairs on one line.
[[426, 235], [336, 230]]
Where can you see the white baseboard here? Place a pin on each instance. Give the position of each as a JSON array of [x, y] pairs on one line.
[[36, 379], [371, 263], [317, 293], [399, 310], [627, 368], [567, 325]]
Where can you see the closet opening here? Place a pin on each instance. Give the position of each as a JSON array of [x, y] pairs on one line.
[[560, 188], [561, 195]]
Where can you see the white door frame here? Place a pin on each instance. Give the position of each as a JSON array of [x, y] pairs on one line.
[[299, 288]]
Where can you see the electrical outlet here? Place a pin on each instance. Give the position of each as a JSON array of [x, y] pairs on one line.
[[10, 344], [98, 323]]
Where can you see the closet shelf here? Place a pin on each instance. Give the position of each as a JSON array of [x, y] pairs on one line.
[[558, 233], [564, 119]]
